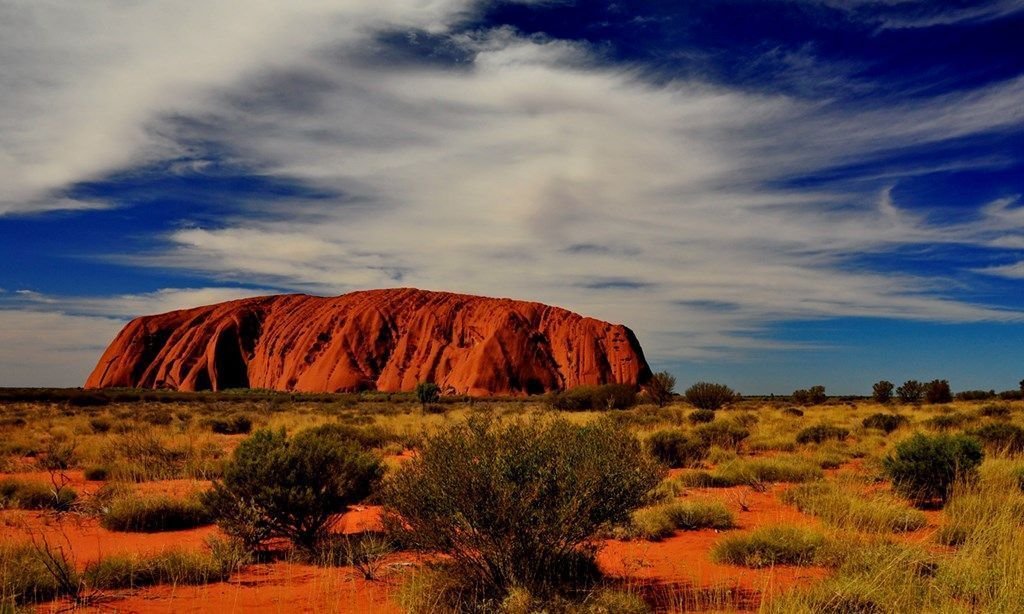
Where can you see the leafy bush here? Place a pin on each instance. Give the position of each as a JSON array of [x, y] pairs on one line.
[[886, 423], [154, 513], [724, 433], [427, 392], [770, 546], [96, 473], [910, 392], [516, 504], [708, 395], [277, 486], [938, 392], [660, 388], [1001, 437], [701, 416], [237, 424], [975, 395], [925, 469], [33, 495], [677, 448], [820, 433], [881, 392]]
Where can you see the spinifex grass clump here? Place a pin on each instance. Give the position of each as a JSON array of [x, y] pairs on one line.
[[677, 448], [153, 513], [661, 521], [769, 546], [517, 504], [886, 423], [35, 495], [750, 471], [821, 433], [879, 513]]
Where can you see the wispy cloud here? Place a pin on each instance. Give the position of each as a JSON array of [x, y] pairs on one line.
[[531, 170]]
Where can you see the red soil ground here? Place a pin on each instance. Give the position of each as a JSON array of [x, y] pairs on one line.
[[678, 568]]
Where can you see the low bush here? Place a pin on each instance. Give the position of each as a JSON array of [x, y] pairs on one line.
[[516, 504], [753, 471], [154, 513], [925, 469], [723, 433], [96, 473], [100, 424], [34, 495], [237, 424], [948, 422], [676, 448], [1001, 437], [583, 398], [815, 395], [976, 395], [820, 433], [877, 513], [701, 416], [886, 423], [660, 521], [291, 488], [795, 412], [708, 395], [366, 552], [660, 388], [770, 546], [995, 411], [938, 392]]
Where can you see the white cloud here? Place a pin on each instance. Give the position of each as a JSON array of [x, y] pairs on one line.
[[43, 348], [532, 172]]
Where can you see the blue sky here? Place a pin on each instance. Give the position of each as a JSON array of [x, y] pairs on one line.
[[771, 194]]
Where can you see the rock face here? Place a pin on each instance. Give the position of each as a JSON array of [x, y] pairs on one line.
[[386, 340]]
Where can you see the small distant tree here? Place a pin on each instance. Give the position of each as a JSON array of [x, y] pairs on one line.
[[661, 387], [882, 391], [938, 392], [1022, 388], [427, 392], [708, 395], [910, 392], [814, 395]]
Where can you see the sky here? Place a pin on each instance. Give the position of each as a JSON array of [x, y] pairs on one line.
[[771, 194]]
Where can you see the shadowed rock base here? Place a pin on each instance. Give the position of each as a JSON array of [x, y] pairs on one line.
[[387, 340]]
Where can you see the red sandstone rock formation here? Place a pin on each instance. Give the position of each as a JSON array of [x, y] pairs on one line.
[[387, 340]]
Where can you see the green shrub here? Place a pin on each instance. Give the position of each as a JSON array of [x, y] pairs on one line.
[[820, 433], [427, 392], [660, 388], [701, 416], [776, 469], [947, 422], [995, 411], [677, 448], [881, 392], [1001, 437], [770, 546], [708, 395], [34, 495], [582, 398], [277, 486], [96, 473], [724, 433], [515, 504], [925, 469], [154, 513], [886, 423], [237, 424]]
